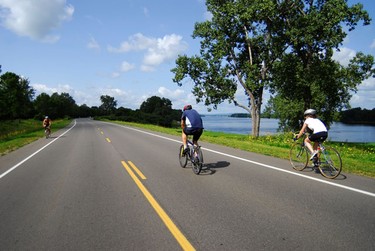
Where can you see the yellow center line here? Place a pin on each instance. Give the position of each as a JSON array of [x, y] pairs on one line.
[[181, 239], [108, 140], [140, 174]]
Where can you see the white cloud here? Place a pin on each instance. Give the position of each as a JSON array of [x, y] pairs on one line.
[[35, 19], [147, 68], [164, 49], [365, 96], [207, 16], [93, 44], [135, 42], [40, 88], [156, 50], [343, 56], [126, 66]]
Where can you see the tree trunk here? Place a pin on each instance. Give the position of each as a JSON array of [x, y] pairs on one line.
[[255, 121]]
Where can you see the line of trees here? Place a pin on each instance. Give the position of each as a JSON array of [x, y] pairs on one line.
[[358, 116], [17, 102]]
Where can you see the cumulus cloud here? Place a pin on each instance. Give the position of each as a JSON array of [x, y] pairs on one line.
[[207, 16], [135, 42], [156, 50], [365, 96], [35, 19], [93, 44], [343, 56], [40, 88], [126, 66]]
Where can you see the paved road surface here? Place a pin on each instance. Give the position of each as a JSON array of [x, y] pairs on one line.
[[100, 186]]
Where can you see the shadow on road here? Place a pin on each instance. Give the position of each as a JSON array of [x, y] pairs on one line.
[[310, 169], [209, 168]]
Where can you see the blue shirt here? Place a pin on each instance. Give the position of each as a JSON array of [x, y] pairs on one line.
[[192, 119]]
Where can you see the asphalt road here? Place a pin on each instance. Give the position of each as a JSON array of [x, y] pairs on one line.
[[101, 186]]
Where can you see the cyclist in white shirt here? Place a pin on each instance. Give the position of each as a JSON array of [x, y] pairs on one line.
[[319, 131]]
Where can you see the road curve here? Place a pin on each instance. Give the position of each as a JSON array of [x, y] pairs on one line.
[[102, 186]]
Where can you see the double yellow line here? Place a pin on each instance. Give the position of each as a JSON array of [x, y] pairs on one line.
[[175, 231], [181, 239]]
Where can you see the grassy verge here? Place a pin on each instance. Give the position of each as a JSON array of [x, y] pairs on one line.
[[357, 158], [17, 133]]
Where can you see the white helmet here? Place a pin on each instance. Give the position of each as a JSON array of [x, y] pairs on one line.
[[310, 112]]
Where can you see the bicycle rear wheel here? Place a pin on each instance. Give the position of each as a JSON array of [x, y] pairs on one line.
[[330, 163], [47, 133], [182, 157], [298, 157], [198, 161]]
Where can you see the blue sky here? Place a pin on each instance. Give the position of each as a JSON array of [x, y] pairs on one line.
[[124, 48]]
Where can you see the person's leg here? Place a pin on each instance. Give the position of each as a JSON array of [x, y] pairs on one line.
[[308, 145], [316, 146], [196, 136], [184, 139]]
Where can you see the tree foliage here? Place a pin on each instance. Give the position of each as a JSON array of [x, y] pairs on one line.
[[15, 96], [306, 76], [157, 110], [55, 106], [358, 116], [286, 46], [108, 105]]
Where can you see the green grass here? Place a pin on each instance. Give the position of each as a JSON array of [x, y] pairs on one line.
[[17, 133], [357, 158]]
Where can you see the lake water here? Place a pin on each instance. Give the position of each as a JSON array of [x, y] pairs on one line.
[[338, 132]]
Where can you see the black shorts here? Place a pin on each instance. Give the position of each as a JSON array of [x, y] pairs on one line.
[[196, 132], [318, 137]]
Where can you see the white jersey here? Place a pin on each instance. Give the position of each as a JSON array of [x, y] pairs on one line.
[[315, 125]]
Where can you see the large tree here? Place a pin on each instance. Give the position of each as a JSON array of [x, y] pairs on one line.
[[15, 96], [108, 105], [238, 48], [286, 46], [306, 76], [157, 110]]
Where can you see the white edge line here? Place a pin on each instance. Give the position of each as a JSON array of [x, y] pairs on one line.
[[26, 159], [257, 163]]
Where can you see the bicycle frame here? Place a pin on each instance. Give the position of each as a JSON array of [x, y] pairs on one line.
[[328, 160], [195, 156]]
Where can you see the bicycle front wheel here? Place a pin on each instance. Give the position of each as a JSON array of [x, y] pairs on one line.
[[330, 163], [182, 157], [298, 157], [198, 161]]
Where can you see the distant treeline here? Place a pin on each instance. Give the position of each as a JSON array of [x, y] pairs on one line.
[[351, 116], [358, 116]]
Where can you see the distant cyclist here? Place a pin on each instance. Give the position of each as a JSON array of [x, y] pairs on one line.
[[191, 124], [319, 131], [47, 124]]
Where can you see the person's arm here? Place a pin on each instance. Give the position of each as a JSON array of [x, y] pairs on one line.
[[302, 130], [182, 124]]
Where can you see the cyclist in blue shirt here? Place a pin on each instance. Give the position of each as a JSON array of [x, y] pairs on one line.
[[191, 124]]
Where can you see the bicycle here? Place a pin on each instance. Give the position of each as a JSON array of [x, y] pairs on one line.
[[47, 132], [195, 156], [327, 161]]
